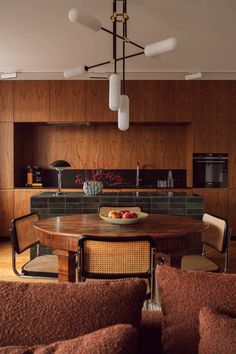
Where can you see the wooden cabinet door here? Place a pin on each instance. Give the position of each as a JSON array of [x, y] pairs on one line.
[[67, 100], [232, 210], [142, 100], [174, 101], [31, 101], [232, 155], [6, 156], [6, 211], [211, 137], [6, 101], [211, 101], [215, 201], [97, 102], [232, 104], [22, 200]]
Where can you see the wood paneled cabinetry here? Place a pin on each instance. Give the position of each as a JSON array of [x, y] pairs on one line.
[[215, 200], [6, 155], [22, 200], [97, 102], [232, 210], [67, 101], [211, 101], [6, 211], [174, 101], [31, 101], [142, 100], [6, 101]]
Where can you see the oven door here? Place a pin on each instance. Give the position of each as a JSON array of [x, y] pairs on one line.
[[210, 174]]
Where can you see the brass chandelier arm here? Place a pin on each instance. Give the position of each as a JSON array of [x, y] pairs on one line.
[[111, 61], [123, 38]]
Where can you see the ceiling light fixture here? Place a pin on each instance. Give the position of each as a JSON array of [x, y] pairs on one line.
[[118, 100], [193, 76]]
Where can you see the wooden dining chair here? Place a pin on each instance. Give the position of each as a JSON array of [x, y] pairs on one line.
[[116, 258], [217, 237], [23, 237]]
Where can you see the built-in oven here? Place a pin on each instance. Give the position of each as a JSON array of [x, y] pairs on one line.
[[210, 170]]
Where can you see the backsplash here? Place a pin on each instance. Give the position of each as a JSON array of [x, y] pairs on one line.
[[148, 178]]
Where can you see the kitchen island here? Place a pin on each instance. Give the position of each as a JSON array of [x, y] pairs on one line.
[[171, 203], [48, 204]]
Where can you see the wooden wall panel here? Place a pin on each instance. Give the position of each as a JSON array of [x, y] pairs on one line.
[[6, 101], [31, 101], [142, 100], [6, 211], [174, 101], [232, 210], [97, 102], [232, 104], [6, 156], [211, 137], [232, 157], [22, 200], [211, 101], [215, 200], [67, 100], [90, 147]]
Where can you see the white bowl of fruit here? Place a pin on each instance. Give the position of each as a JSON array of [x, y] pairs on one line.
[[123, 217]]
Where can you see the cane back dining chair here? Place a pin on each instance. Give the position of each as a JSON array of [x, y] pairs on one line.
[[116, 258], [217, 236], [23, 237]]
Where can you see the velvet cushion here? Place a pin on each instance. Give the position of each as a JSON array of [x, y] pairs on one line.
[[40, 313], [182, 295], [118, 339], [217, 333]]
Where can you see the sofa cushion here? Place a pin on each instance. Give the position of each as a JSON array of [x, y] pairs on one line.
[[217, 333], [182, 295], [40, 313], [118, 339]]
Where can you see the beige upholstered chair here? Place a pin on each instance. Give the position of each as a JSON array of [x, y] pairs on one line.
[[104, 209], [116, 258], [217, 236], [23, 237]]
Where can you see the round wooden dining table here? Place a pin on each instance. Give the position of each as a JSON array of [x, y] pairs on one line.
[[173, 235]]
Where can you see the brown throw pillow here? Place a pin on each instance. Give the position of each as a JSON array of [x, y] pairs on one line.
[[217, 333], [182, 296], [40, 313], [119, 339]]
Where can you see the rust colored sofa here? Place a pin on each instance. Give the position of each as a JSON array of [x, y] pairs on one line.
[[106, 317]]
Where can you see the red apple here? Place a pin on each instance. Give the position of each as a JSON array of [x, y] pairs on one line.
[[113, 214], [122, 212], [129, 215]]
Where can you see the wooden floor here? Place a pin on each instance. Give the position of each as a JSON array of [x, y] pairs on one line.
[[7, 274]]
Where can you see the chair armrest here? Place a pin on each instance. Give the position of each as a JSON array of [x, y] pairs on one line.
[[150, 332]]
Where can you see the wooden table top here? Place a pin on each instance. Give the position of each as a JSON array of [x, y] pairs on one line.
[[156, 225]]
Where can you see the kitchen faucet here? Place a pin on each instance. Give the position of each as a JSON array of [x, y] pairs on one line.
[[137, 176]]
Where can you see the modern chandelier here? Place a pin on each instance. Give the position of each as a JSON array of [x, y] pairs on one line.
[[118, 100]]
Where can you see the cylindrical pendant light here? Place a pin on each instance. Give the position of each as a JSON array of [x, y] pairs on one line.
[[114, 92], [123, 113], [75, 71], [160, 47], [84, 19]]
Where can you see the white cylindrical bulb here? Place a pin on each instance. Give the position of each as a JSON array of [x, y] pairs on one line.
[[84, 19], [160, 47], [75, 71], [114, 92], [123, 113]]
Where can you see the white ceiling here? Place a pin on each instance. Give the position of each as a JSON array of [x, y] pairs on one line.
[[36, 35]]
